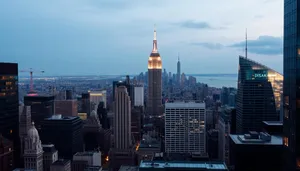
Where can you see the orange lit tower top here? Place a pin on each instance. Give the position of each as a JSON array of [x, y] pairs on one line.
[[154, 61]]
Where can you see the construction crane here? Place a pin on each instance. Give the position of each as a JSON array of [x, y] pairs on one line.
[[30, 70]]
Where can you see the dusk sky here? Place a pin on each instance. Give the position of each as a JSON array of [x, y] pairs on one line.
[[95, 37]]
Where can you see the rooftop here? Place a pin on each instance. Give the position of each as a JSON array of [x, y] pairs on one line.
[[273, 123], [49, 148], [240, 139], [60, 117], [184, 165], [93, 168], [128, 168], [185, 105], [86, 153], [61, 162]]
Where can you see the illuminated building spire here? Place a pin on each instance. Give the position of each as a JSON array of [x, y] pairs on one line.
[[154, 50]]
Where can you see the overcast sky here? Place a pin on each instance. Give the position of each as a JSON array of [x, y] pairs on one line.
[[72, 37]]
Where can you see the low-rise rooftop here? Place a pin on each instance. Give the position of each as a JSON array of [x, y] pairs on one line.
[[217, 166], [246, 139]]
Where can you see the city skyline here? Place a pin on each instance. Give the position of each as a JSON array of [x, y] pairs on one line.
[[78, 37]]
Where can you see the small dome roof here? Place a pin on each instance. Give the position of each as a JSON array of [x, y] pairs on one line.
[[32, 132]]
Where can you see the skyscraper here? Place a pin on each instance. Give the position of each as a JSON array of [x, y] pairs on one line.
[[291, 84], [259, 92], [122, 119], [122, 153], [178, 71], [154, 105], [9, 106]]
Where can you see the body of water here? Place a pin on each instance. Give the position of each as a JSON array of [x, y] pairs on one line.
[[217, 80]]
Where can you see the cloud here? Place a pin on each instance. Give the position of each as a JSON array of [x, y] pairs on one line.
[[197, 25], [265, 45], [209, 45]]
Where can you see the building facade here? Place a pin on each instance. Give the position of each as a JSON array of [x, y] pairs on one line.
[[24, 125], [291, 91], [258, 96], [139, 95], [154, 103], [66, 107], [33, 153], [96, 97], [6, 154], [42, 106], [122, 119], [185, 127], [65, 133], [9, 106], [50, 156], [122, 153]]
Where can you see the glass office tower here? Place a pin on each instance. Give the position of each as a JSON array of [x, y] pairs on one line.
[[291, 85], [258, 96]]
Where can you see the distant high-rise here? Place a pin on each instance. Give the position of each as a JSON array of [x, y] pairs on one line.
[[259, 92], [42, 106], [122, 153], [122, 119], [154, 105], [291, 84], [185, 127], [178, 71], [9, 106]]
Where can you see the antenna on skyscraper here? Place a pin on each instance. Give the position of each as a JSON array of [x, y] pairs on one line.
[[178, 57], [246, 48]]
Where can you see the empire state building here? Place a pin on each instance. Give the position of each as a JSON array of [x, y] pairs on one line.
[[154, 105]]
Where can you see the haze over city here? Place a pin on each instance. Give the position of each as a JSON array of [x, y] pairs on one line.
[[112, 36]]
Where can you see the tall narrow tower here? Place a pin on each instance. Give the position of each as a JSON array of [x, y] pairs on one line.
[[178, 70], [154, 105]]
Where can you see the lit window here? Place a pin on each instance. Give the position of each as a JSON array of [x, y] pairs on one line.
[[286, 141], [298, 162], [298, 52], [11, 131]]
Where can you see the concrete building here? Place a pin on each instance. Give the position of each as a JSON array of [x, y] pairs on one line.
[[96, 97], [50, 156], [61, 165], [185, 127], [139, 95], [66, 107], [33, 152], [255, 151], [154, 104]]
